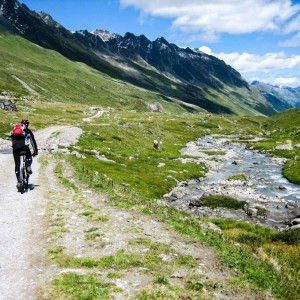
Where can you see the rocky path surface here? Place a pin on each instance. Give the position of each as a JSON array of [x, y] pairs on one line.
[[84, 225], [21, 230], [23, 242]]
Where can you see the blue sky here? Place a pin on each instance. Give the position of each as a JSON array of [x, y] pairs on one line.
[[259, 38]]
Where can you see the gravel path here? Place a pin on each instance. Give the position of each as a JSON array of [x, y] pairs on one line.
[[21, 219], [21, 231], [23, 244]]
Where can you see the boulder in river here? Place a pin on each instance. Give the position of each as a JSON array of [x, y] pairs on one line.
[[197, 203]]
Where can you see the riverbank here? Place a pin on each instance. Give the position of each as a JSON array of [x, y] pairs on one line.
[[270, 198]]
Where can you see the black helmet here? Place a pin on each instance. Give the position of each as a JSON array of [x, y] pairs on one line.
[[25, 121]]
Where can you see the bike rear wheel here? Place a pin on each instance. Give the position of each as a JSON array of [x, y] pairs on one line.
[[20, 185], [24, 176]]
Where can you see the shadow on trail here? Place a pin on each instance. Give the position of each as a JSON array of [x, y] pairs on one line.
[[30, 187]]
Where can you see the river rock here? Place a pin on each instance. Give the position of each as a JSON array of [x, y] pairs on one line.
[[183, 184], [295, 222], [296, 227], [211, 226], [287, 146], [197, 203], [7, 104], [173, 196], [251, 210]]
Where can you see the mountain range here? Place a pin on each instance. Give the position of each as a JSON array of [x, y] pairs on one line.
[[281, 97], [184, 75]]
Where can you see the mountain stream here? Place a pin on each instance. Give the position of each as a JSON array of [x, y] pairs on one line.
[[264, 172], [271, 200]]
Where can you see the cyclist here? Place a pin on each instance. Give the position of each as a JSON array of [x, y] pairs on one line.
[[20, 142]]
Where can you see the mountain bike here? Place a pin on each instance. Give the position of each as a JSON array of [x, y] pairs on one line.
[[24, 176]]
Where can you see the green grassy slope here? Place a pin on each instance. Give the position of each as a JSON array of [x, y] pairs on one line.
[[284, 129], [55, 78]]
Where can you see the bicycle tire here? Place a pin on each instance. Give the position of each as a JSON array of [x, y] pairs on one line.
[[22, 179], [21, 176], [26, 183], [26, 175]]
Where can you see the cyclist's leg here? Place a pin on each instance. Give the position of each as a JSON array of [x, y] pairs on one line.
[[28, 155], [28, 159], [17, 159]]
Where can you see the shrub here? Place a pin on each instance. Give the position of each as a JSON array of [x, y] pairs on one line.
[[291, 237], [250, 239], [240, 176], [215, 201]]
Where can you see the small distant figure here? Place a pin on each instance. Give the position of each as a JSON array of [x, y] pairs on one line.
[[156, 144]]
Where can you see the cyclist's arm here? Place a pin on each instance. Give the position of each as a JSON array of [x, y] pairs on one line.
[[35, 148]]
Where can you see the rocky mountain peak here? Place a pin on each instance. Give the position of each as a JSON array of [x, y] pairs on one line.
[[105, 35], [162, 40], [9, 7], [49, 20]]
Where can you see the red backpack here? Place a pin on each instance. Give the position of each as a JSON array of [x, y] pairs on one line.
[[18, 130]]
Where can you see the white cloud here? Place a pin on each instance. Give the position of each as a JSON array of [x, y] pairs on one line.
[[250, 63], [206, 50], [267, 66], [292, 42], [293, 25], [215, 17], [292, 81]]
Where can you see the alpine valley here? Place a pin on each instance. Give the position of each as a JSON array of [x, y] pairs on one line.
[[161, 173]]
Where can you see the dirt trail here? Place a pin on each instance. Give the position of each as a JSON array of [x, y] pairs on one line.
[[26, 237], [97, 115], [20, 233], [21, 230], [23, 242]]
